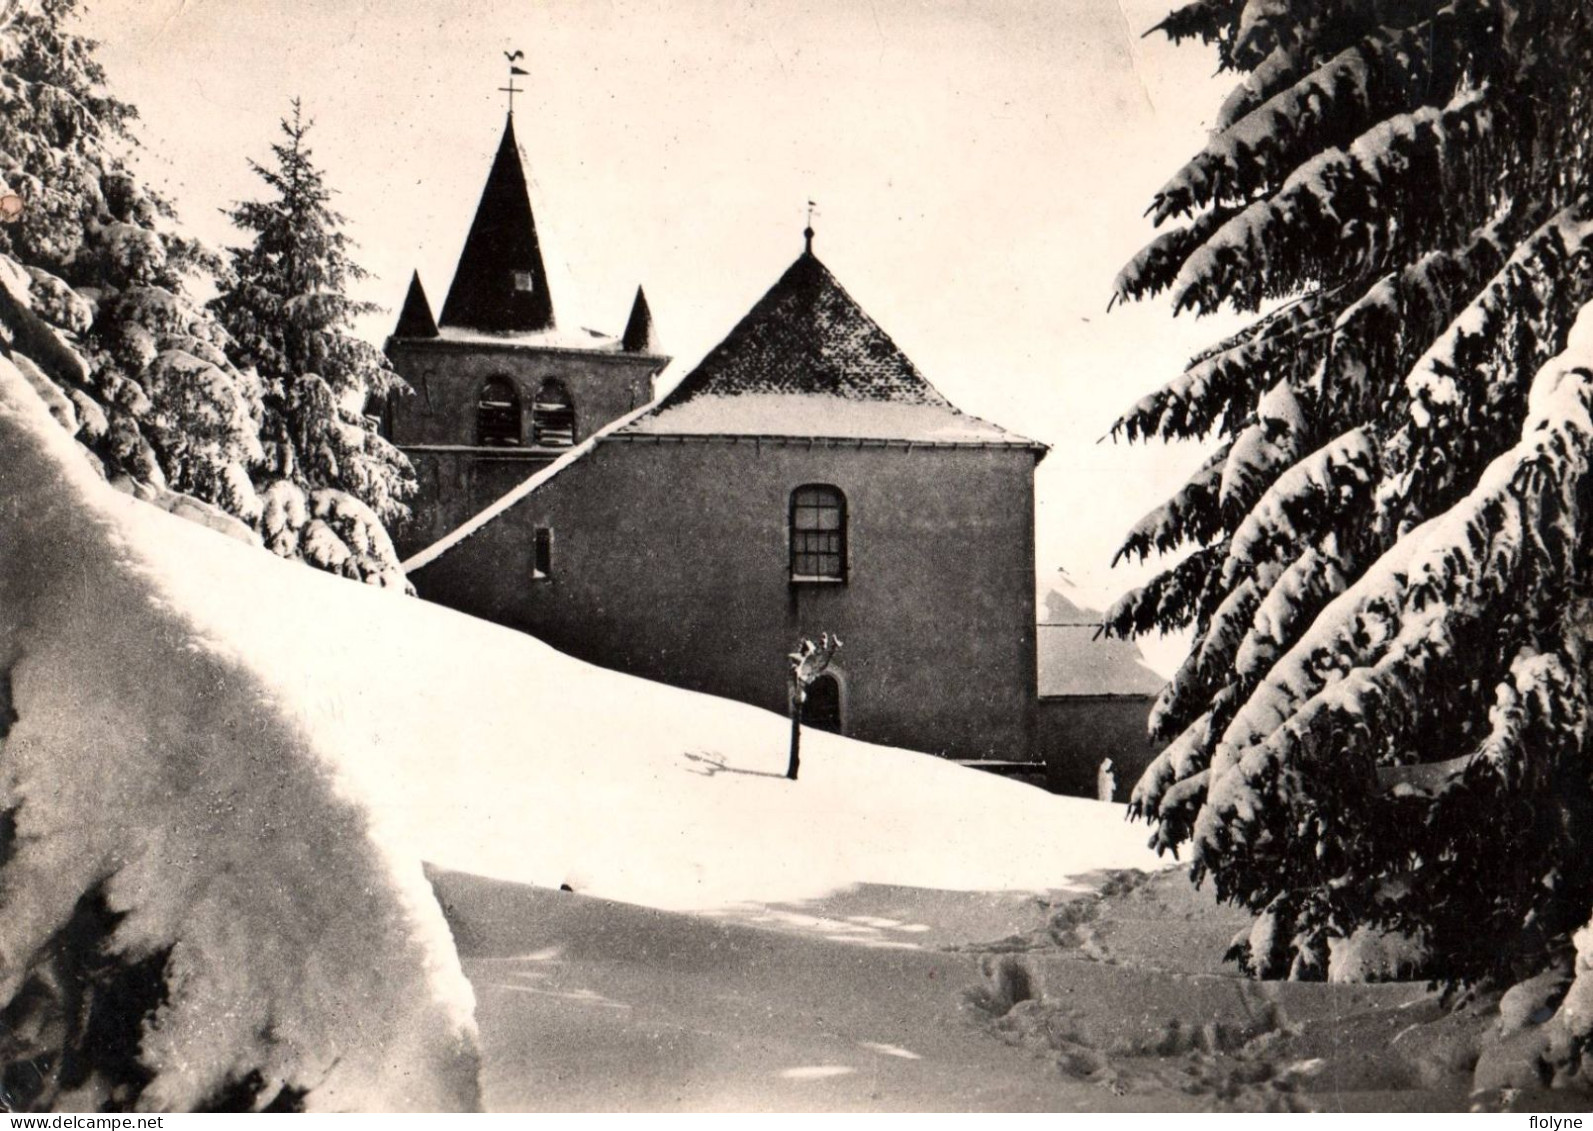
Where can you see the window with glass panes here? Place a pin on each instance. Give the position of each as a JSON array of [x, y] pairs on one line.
[[818, 534]]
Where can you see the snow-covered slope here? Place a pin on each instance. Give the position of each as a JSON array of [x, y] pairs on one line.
[[483, 750], [489, 752], [171, 803]]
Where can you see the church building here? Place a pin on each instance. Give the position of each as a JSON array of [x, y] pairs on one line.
[[500, 387], [805, 477]]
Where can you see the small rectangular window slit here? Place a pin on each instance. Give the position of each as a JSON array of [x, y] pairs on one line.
[[542, 552]]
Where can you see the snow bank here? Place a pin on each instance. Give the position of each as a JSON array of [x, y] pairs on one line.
[[486, 751], [489, 752], [150, 763]]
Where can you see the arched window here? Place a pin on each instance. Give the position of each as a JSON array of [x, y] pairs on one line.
[[553, 416], [818, 534], [498, 414], [821, 710]]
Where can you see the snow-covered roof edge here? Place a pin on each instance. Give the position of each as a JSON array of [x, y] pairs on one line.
[[440, 547]]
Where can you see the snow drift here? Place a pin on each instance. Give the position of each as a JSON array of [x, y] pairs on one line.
[[247, 760], [150, 770], [486, 751], [483, 750]]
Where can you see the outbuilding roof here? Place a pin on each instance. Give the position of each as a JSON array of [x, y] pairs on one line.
[[1076, 661]]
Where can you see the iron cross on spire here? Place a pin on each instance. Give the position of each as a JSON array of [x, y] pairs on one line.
[[807, 232], [511, 90]]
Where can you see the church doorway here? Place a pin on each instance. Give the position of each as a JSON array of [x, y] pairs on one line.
[[822, 709]]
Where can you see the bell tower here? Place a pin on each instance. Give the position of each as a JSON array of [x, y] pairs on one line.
[[501, 387]]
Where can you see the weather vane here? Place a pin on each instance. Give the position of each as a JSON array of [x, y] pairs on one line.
[[511, 90], [807, 232]]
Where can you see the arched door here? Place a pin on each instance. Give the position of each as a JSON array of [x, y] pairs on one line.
[[822, 708]]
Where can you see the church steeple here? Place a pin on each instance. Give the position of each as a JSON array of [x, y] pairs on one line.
[[500, 285], [415, 320], [639, 334]]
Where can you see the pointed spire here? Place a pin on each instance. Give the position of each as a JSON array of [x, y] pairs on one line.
[[415, 320], [639, 334], [500, 284]]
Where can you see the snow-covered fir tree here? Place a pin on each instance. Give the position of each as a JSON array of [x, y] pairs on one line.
[[93, 300], [137, 972], [1383, 724], [329, 481]]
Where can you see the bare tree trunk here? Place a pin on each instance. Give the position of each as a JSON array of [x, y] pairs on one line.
[[796, 730]]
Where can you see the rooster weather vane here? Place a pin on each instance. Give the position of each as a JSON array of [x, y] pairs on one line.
[[511, 90]]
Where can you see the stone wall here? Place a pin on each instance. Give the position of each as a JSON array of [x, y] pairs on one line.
[[671, 561], [1073, 734]]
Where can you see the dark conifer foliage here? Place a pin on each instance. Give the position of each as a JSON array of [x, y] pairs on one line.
[[1383, 724], [94, 286], [329, 481]]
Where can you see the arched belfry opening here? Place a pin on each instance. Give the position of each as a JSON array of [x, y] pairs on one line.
[[553, 415], [498, 414]]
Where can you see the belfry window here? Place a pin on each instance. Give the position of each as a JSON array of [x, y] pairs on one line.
[[818, 534], [498, 414], [553, 416]]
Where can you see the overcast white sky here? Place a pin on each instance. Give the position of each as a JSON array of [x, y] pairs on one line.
[[981, 168]]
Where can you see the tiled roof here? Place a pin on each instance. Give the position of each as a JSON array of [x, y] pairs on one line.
[[500, 285], [816, 416], [807, 361], [807, 335]]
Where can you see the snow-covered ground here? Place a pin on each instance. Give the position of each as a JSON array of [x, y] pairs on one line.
[[254, 758], [154, 770], [485, 751], [494, 754], [247, 762]]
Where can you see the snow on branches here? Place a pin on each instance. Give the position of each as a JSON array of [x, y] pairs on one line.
[[93, 281], [288, 315], [1383, 570], [1357, 675], [95, 311], [1336, 212]]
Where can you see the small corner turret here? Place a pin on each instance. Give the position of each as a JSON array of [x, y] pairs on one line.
[[640, 337], [415, 320]]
